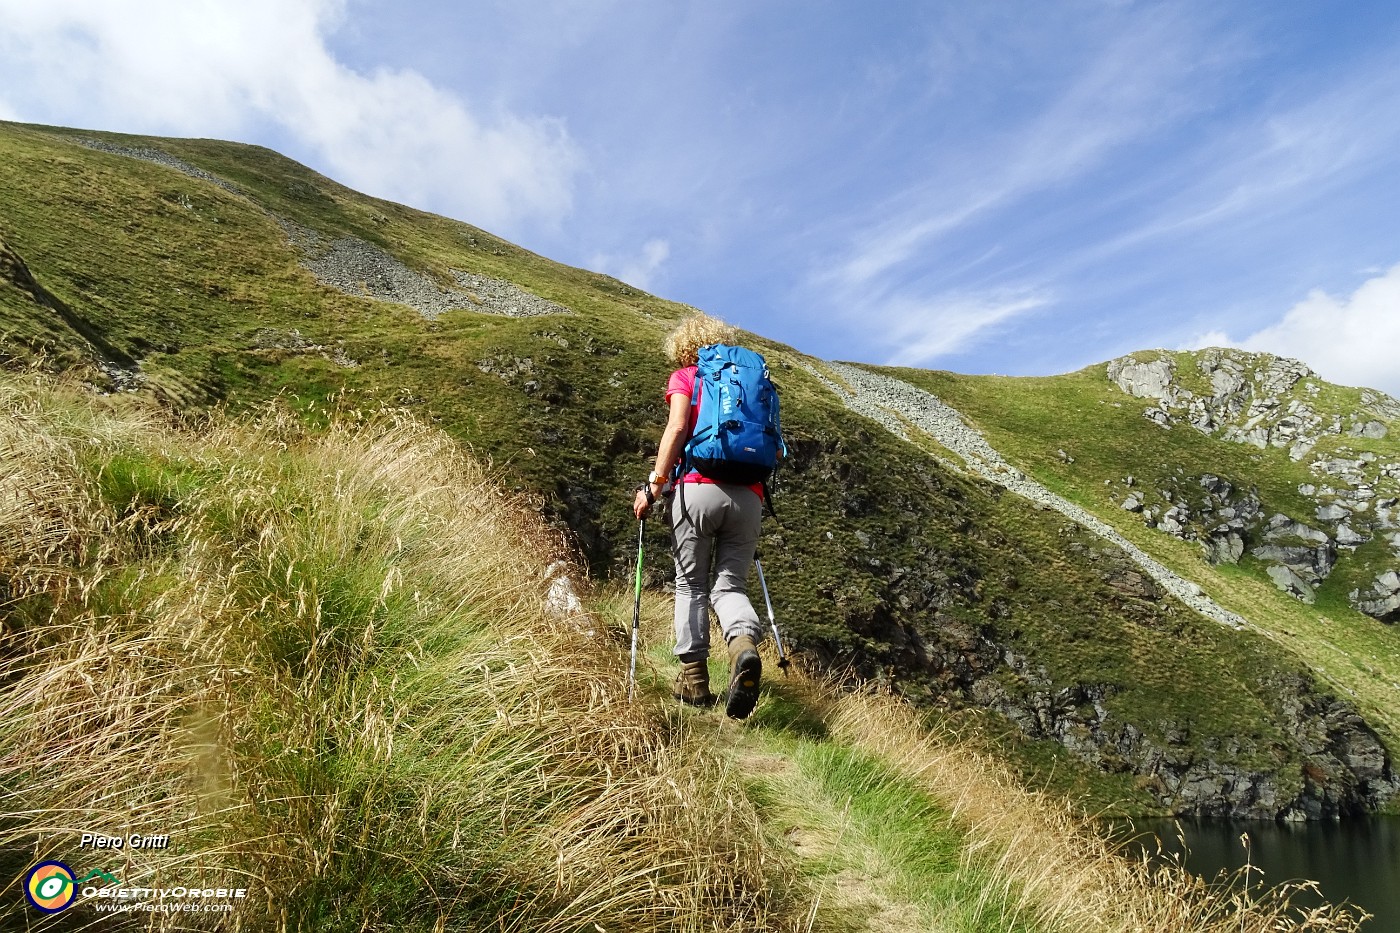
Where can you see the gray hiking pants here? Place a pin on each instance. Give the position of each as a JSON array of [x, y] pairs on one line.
[[706, 516]]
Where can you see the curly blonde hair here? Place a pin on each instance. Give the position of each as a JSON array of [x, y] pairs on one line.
[[695, 331]]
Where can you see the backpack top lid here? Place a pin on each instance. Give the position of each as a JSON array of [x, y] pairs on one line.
[[738, 433]]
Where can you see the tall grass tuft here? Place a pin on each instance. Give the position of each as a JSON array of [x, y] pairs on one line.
[[325, 666]]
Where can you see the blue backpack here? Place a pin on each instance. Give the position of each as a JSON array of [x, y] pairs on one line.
[[738, 435]]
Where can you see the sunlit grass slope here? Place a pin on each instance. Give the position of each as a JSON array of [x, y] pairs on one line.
[[322, 664], [1102, 429]]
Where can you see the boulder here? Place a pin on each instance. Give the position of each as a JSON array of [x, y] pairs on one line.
[[1224, 546], [1349, 537], [1312, 564], [1383, 600], [1153, 379], [1158, 417], [1288, 581], [1332, 513], [1216, 486], [1386, 609], [1226, 382], [1281, 527], [1255, 436]]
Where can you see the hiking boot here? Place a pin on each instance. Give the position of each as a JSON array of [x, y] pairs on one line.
[[693, 684], [745, 668]]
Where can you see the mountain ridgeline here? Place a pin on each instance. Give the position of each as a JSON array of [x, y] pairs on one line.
[[1067, 630]]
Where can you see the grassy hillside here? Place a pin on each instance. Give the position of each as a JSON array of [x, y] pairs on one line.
[[325, 664], [1105, 440], [189, 280]]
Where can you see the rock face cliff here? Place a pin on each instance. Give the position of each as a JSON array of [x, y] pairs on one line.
[[1353, 495]]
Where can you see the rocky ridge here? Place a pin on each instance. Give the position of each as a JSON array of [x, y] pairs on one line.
[[147, 154], [1266, 401], [354, 267], [1348, 769], [894, 404]]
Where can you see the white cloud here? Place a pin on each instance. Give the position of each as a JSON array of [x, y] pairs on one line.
[[639, 270], [1211, 338], [925, 330], [1352, 341], [233, 67]]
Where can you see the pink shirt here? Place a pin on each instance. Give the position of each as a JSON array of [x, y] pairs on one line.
[[683, 382]]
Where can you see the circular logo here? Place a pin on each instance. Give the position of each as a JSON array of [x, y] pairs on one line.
[[49, 887]]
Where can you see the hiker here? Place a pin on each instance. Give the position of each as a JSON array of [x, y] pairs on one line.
[[704, 514]]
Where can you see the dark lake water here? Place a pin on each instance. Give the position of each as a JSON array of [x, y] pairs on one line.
[[1355, 861]]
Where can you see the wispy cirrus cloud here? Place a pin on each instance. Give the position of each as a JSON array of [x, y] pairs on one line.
[[1270, 164], [930, 264], [239, 67], [1131, 86], [923, 331]]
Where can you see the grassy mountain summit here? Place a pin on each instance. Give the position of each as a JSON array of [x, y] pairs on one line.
[[210, 275]]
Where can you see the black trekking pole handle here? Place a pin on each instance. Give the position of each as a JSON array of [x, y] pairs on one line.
[[783, 662]]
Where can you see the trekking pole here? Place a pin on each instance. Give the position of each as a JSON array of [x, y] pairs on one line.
[[636, 613], [777, 639]]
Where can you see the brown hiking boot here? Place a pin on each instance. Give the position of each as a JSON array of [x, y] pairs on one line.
[[745, 669], [693, 684]]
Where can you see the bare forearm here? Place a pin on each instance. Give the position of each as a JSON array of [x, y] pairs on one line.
[[672, 440]]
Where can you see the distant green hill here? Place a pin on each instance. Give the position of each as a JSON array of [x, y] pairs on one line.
[[1275, 490], [216, 275]]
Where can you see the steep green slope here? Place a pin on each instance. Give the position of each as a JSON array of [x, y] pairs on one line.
[[211, 274], [1087, 439]]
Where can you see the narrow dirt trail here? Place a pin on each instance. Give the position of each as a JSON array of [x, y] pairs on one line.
[[897, 405]]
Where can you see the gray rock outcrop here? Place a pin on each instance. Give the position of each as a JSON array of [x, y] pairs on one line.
[[1382, 600], [1272, 402], [1345, 770], [355, 267], [1150, 379]]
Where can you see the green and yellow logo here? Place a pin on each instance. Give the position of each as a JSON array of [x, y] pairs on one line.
[[51, 887]]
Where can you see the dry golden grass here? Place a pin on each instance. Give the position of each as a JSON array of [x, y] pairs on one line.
[[325, 666], [1043, 853]]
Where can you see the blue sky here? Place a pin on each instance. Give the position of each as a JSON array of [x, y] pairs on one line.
[[1021, 188]]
